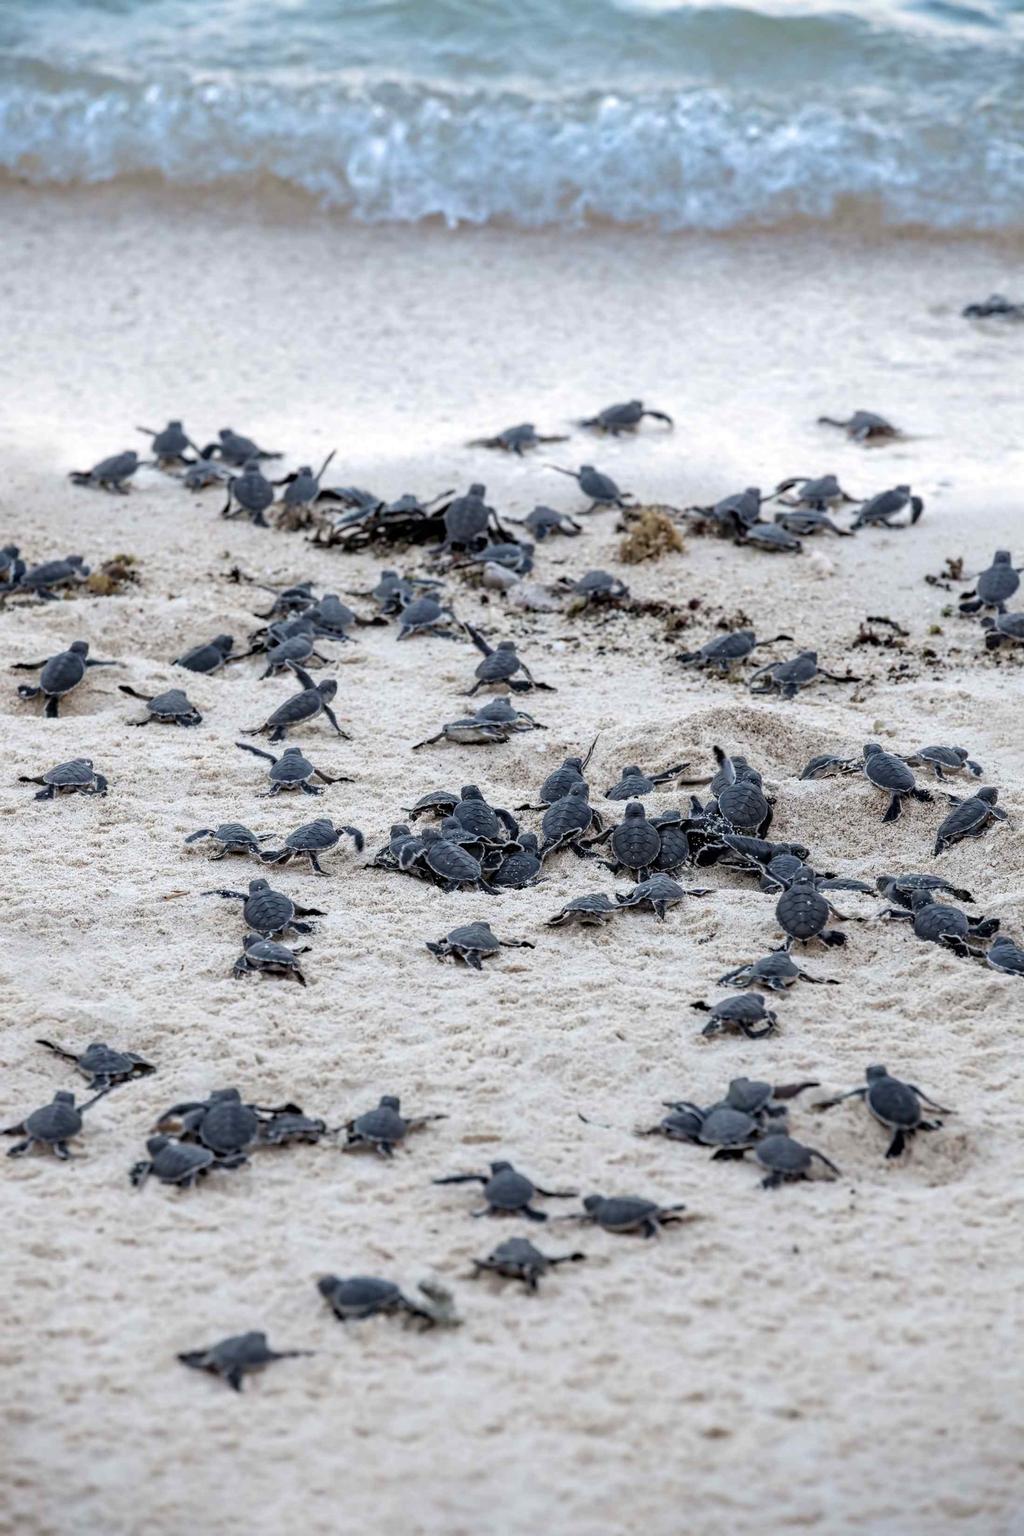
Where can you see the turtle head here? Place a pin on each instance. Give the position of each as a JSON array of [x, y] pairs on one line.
[[79, 647], [875, 1074], [389, 1101], [1001, 557], [593, 1202], [921, 899], [528, 842], [509, 646], [327, 689], [222, 643], [63, 1097], [156, 1144], [327, 1284], [635, 811], [470, 792], [871, 749], [500, 1167], [988, 623], [476, 489], [400, 829], [258, 885], [226, 1096], [632, 771], [904, 490], [580, 791], [988, 794]]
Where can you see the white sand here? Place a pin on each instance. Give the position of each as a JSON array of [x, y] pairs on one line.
[[838, 1357]]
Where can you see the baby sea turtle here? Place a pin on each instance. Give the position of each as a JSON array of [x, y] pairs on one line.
[[291, 771], [775, 972], [204, 473], [314, 699], [995, 306], [936, 922], [740, 796], [449, 866], [813, 493], [635, 842], [468, 518], [659, 892], [726, 651], [561, 780], [741, 1012], [881, 509], [517, 1259], [1006, 956], [543, 522], [789, 677], [994, 587], [945, 762], [58, 675], [786, 1161], [595, 588], [172, 707], [302, 487], [171, 446], [426, 615], [634, 782], [521, 867], [12, 567], [260, 954], [75, 777], [1005, 626], [270, 913], [566, 820], [515, 439], [891, 774], [590, 911], [863, 427], [53, 1125], [624, 417], [969, 818], [490, 725], [500, 665], [101, 1065], [601, 489], [231, 837], [473, 943], [802, 913], [437, 802], [250, 492], [675, 851], [311, 840], [732, 514], [764, 1099], [174, 1162], [235, 1358], [363, 1296], [234, 448], [507, 1192], [287, 1125], [772, 537], [626, 1213], [903, 888], [384, 1128], [221, 1122], [894, 1104], [209, 657], [110, 474], [43, 581], [806, 521], [488, 823]]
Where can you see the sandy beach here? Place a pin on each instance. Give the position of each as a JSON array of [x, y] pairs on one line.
[[840, 1357]]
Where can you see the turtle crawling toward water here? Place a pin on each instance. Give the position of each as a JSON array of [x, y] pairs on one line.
[[171, 708], [234, 448], [291, 771], [500, 665], [1005, 955], [362, 1296], [892, 775], [864, 427], [230, 837], [176, 1162], [314, 699], [802, 913], [786, 1161], [101, 1065], [625, 416], [507, 1192], [384, 1128], [969, 818], [472, 944], [208, 657], [491, 725], [994, 587], [945, 762], [659, 892], [726, 651], [311, 840], [259, 954], [894, 1104], [775, 972], [627, 1213], [596, 589], [518, 1259], [743, 1012], [634, 782], [1005, 626], [996, 306], [591, 911], [270, 913], [171, 446], [878, 511], [75, 777], [601, 489], [936, 922], [790, 676], [237, 1357], [58, 675], [515, 439], [111, 474], [52, 1126]]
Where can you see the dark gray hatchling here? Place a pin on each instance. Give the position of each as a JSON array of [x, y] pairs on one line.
[[863, 427], [764, 1100], [729, 1130], [172, 446], [543, 522], [288, 1125], [314, 699], [170, 708], [595, 588], [625, 416], [444, 863], [75, 777], [814, 494], [994, 587], [58, 675], [362, 1296], [772, 537], [52, 1126], [804, 522], [101, 1065], [473, 943], [270, 913], [507, 1192], [601, 489], [221, 1123], [561, 780], [566, 820], [891, 774], [517, 439], [291, 651], [490, 824], [903, 888], [741, 799], [945, 762], [209, 657], [172, 1162], [468, 518], [1003, 954], [112, 474], [301, 489], [635, 843], [311, 840], [775, 972], [427, 615], [521, 867], [627, 1213], [1005, 626], [675, 848], [43, 581], [250, 493], [789, 677], [996, 305], [802, 913], [230, 837], [517, 1259], [237, 1357], [491, 725], [204, 473], [969, 818], [383, 1129], [786, 1161], [234, 448], [12, 567], [936, 922], [436, 802], [659, 892], [400, 851], [744, 1013], [500, 665], [726, 651], [634, 783], [291, 771], [732, 514], [267, 955], [894, 1104], [591, 911], [878, 511]]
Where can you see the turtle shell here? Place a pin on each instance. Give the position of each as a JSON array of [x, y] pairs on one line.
[[781, 1154], [173, 1161], [442, 801], [270, 956], [383, 1124], [675, 845], [744, 1007], [100, 1060], [894, 1103], [253, 491], [558, 784], [360, 1294], [725, 1126], [291, 768], [998, 583], [517, 1256], [465, 520], [937, 921], [632, 783], [268, 911], [963, 819], [301, 706], [517, 870], [729, 647], [621, 1213], [451, 862], [55, 1122], [802, 911], [229, 1126], [477, 817], [743, 805], [420, 613], [77, 771], [657, 888], [572, 813], [171, 705], [233, 834], [748, 1095], [635, 842], [889, 772], [508, 1190], [62, 673], [315, 835], [474, 936]]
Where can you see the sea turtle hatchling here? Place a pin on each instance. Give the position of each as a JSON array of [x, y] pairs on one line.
[[209, 657], [891, 774], [436, 802], [264, 954], [863, 427], [101, 1065], [802, 913], [625, 416], [500, 665], [447, 865], [301, 489], [566, 820], [775, 972], [543, 522], [515, 439], [894, 1104], [383, 1129], [313, 699], [726, 651], [231, 837], [804, 522], [520, 865], [937, 922], [427, 615], [75, 777], [561, 780], [287, 1125], [994, 587], [491, 725], [204, 473], [311, 840], [772, 537], [473, 943], [635, 843], [996, 306], [790, 676], [627, 1213], [45, 580], [741, 799], [111, 474], [878, 511], [360, 1296], [291, 771], [813, 493], [945, 762], [743, 1012], [237, 1357], [786, 1161], [1003, 954], [173, 1162], [518, 1259], [58, 675], [53, 1125], [221, 1122], [601, 489], [234, 448], [1005, 626], [468, 519], [634, 783], [270, 913], [731, 515], [596, 589], [171, 708], [171, 446], [903, 888], [507, 1192], [659, 892], [590, 911], [250, 492], [969, 818]]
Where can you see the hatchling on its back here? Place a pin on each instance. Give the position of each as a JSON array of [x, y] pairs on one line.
[[259, 954], [75, 777]]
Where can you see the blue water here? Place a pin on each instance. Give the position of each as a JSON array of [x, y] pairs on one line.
[[536, 112]]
